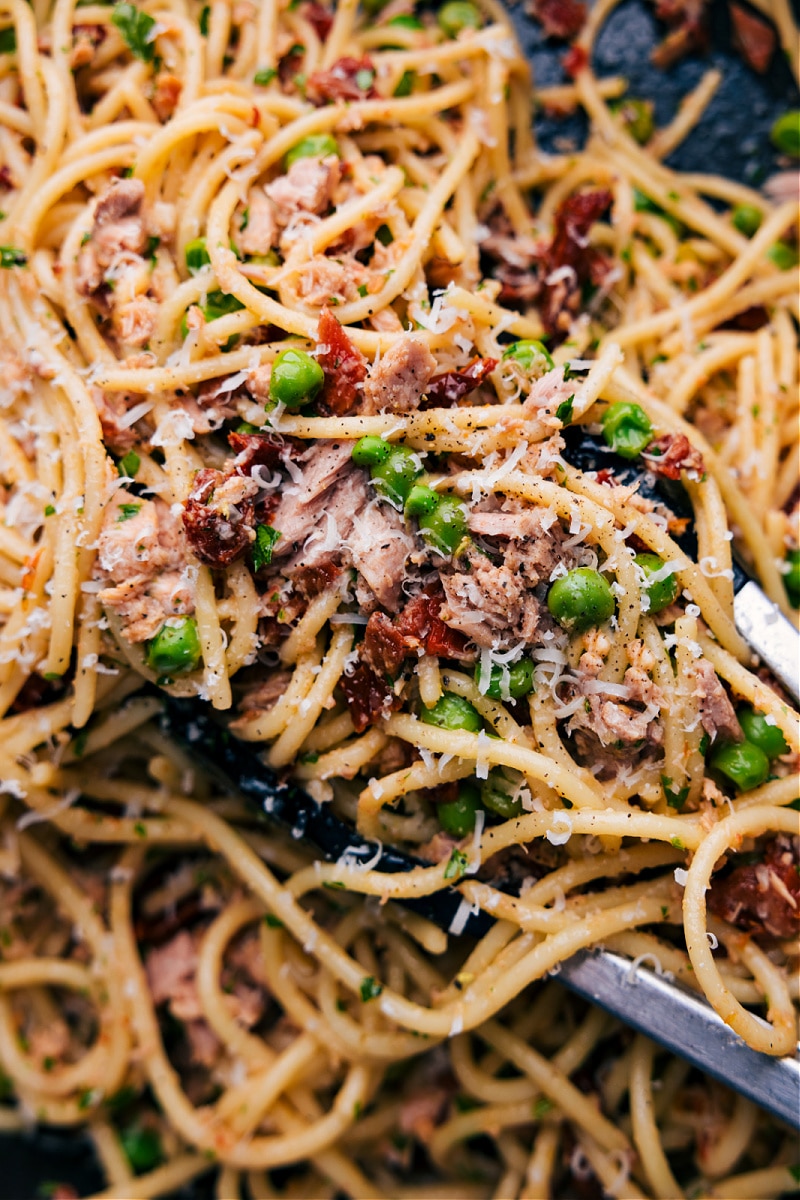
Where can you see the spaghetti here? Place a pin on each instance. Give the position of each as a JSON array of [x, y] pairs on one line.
[[297, 325]]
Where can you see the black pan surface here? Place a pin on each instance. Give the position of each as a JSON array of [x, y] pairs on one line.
[[733, 140]]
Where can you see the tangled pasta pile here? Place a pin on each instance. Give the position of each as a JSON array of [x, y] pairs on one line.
[[301, 337]]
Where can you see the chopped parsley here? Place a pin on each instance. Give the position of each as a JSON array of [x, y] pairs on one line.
[[205, 13], [126, 511], [273, 922], [456, 865], [542, 1107], [266, 537], [264, 77], [677, 843], [675, 797], [50, 510], [8, 40], [245, 221], [564, 410], [370, 988], [136, 28]]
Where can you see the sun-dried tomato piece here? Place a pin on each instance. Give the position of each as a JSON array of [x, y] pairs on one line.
[[688, 32], [344, 366], [424, 629], [449, 387], [672, 453], [261, 449], [570, 260], [319, 18], [385, 648], [575, 60], [218, 530], [559, 18], [764, 897], [314, 580], [347, 79], [368, 696], [752, 37]]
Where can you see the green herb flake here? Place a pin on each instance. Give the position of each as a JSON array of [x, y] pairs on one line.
[[542, 1107], [87, 1097], [564, 410], [264, 77], [675, 797], [136, 28], [456, 865], [50, 510], [8, 40], [362, 290], [266, 537], [273, 922], [664, 912], [126, 512], [140, 829], [10, 256], [677, 843], [245, 221], [205, 13], [333, 885], [795, 1172], [370, 989]]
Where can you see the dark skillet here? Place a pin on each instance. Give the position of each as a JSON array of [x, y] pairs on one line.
[[733, 140]]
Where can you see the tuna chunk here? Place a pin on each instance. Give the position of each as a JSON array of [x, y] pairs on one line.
[[495, 604], [141, 559], [118, 232], [398, 381], [717, 714], [135, 320], [330, 514], [170, 976], [261, 231], [307, 187]]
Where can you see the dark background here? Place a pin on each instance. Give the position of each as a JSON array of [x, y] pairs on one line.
[[733, 140]]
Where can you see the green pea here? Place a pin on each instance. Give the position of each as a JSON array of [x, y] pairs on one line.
[[531, 355], [747, 219], [744, 764], [662, 592], [406, 21], [394, 476], [452, 712], [197, 255], [637, 116], [175, 648], [791, 579], [142, 1147], [497, 794], [446, 526], [370, 451], [296, 379], [518, 680], [581, 599], [785, 133], [421, 501], [783, 256], [627, 428], [457, 15], [757, 730], [316, 145], [458, 816]]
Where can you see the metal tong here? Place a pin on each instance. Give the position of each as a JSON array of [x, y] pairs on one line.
[[664, 1010]]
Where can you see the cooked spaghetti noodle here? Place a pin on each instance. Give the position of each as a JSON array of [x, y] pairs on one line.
[[298, 328]]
